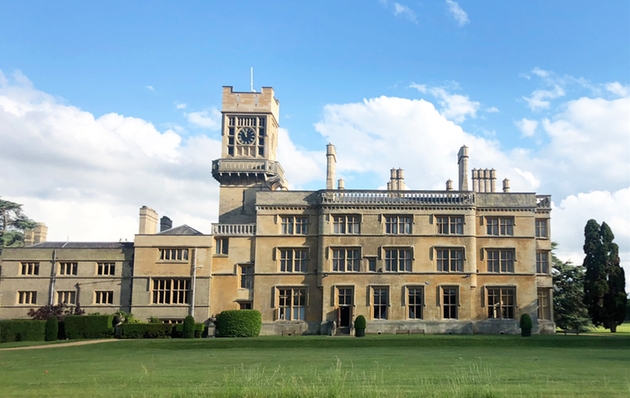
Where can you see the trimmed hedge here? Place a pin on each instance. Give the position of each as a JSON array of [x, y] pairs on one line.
[[189, 327], [89, 326], [178, 330], [22, 330], [239, 323], [52, 328], [360, 322], [145, 330]]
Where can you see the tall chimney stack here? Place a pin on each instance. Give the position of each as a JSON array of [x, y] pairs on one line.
[[462, 161], [331, 161], [148, 221]]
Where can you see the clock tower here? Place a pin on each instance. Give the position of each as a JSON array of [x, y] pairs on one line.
[[249, 131]]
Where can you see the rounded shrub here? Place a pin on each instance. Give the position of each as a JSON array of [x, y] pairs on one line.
[[360, 322], [359, 326], [238, 323], [526, 325], [52, 328], [189, 327]]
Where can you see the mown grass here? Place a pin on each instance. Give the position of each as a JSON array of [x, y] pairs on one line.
[[375, 366]]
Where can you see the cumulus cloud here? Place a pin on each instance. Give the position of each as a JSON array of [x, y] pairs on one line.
[[456, 11], [527, 127], [150, 88], [179, 105], [539, 98], [617, 89], [455, 107], [210, 119]]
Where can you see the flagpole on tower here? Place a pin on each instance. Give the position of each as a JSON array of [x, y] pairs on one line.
[[251, 79]]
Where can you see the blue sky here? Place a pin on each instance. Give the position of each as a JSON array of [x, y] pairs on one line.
[[108, 106]]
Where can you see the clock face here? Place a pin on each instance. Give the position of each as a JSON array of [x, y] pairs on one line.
[[246, 136]]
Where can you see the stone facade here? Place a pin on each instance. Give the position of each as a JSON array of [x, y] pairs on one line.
[[451, 261]]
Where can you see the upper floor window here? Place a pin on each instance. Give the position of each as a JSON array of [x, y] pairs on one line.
[[221, 246], [501, 302], [542, 262], [398, 225], [174, 254], [68, 268], [541, 228], [398, 260], [450, 225], [346, 260], [247, 276], [450, 260], [105, 268], [29, 269], [500, 260], [170, 291], [346, 224], [293, 260], [294, 225], [499, 226]]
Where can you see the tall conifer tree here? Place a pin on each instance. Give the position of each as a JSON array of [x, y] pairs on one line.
[[605, 281]]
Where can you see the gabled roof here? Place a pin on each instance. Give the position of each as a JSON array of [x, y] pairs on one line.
[[181, 230], [81, 245]]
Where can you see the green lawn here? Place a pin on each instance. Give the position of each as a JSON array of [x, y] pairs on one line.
[[405, 366]]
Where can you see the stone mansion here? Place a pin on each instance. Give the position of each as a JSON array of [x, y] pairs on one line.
[[467, 259]]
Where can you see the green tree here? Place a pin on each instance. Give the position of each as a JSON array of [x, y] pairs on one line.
[[569, 311], [604, 283], [13, 223]]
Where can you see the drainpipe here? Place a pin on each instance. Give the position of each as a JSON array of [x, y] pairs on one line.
[[194, 282], [53, 277]]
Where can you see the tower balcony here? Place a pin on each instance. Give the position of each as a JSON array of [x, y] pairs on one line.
[[233, 229], [248, 171]]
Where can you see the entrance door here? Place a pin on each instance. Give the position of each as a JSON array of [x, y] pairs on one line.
[[344, 317]]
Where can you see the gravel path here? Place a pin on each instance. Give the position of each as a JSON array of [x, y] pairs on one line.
[[71, 343]]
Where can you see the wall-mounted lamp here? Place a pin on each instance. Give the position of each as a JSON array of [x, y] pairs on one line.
[[426, 283], [325, 275]]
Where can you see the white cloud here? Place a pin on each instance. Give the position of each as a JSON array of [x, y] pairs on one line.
[[300, 165], [539, 98], [455, 107], [492, 109], [179, 105], [573, 212], [150, 88], [456, 11], [527, 127], [617, 89], [210, 119], [405, 11]]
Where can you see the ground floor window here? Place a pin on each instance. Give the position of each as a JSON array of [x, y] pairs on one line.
[[29, 297], [170, 291], [380, 302], [291, 304], [103, 297], [450, 302], [67, 297], [245, 305], [501, 302], [544, 304], [415, 302]]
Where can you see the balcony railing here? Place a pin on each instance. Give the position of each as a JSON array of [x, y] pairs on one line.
[[397, 197], [246, 166], [234, 229]]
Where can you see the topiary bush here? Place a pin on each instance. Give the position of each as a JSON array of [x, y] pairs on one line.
[[145, 331], [189, 327], [89, 326], [51, 329], [359, 326], [526, 325], [238, 323], [22, 330]]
